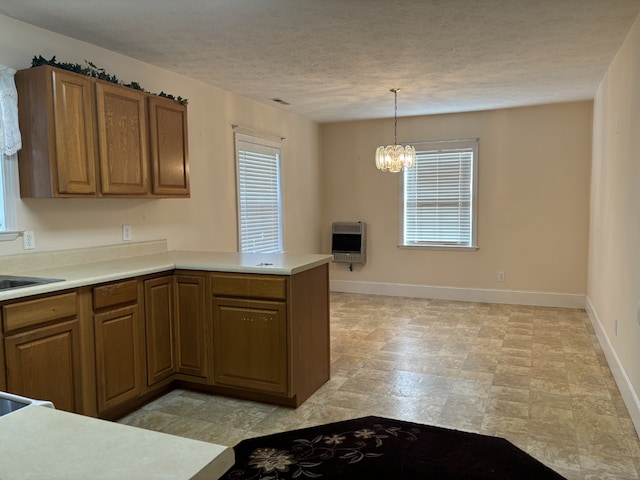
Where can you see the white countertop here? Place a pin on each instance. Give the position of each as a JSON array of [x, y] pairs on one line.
[[43, 443], [94, 272]]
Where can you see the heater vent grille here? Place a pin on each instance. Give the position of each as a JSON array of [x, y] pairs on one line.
[[348, 258], [348, 227]]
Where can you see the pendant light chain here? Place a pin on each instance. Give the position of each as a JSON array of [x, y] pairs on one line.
[[395, 117]]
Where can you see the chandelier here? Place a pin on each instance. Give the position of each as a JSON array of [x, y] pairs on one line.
[[395, 158]]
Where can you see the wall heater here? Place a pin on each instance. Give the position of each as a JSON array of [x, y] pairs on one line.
[[348, 242]]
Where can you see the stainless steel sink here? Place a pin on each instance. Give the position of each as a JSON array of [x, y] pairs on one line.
[[8, 282]]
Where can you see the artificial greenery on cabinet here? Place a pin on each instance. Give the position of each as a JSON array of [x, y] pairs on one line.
[[91, 70]]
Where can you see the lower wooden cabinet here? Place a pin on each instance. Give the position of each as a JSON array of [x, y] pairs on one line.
[[250, 345], [177, 325], [119, 344], [42, 349], [271, 334], [192, 321], [159, 328], [44, 363], [104, 349], [3, 378], [118, 357]]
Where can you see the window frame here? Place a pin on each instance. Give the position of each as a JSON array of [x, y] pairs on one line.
[[265, 146], [436, 146], [9, 192]]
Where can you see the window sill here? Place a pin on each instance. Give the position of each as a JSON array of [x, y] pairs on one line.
[[439, 247], [9, 236]]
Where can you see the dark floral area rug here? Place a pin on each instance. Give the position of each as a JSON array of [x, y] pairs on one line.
[[375, 447]]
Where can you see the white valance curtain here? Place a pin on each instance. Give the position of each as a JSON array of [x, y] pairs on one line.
[[10, 140]]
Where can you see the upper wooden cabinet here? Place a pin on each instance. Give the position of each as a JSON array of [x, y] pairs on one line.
[[56, 115], [169, 147], [88, 138], [123, 140]]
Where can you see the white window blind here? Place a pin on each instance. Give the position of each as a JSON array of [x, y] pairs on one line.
[[439, 195], [9, 193], [259, 194], [3, 221]]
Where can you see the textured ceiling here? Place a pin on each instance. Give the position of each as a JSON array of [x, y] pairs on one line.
[[337, 59]]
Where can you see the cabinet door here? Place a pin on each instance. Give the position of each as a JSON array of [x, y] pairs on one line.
[[192, 325], [158, 301], [122, 138], [56, 113], [73, 112], [169, 147], [44, 363], [118, 356], [250, 345]]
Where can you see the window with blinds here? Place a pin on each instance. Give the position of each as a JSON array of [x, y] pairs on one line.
[[3, 221], [259, 194], [9, 192], [439, 195]]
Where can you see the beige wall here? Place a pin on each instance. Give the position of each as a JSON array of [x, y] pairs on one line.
[[614, 255], [208, 219], [533, 203]]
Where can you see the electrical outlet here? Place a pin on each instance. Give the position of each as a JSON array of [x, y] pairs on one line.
[[28, 240], [501, 276], [126, 232]]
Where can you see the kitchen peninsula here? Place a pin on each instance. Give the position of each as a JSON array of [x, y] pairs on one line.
[[41, 443], [128, 322]]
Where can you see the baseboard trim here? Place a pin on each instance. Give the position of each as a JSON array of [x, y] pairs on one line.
[[512, 297], [628, 393]]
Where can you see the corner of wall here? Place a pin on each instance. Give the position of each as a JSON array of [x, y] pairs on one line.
[[627, 391]]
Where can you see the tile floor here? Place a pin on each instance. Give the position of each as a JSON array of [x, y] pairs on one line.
[[536, 376]]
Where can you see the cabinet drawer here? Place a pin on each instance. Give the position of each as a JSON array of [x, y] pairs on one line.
[[249, 286], [43, 310], [115, 294]]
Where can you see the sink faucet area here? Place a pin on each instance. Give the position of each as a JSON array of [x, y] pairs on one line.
[[14, 281]]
